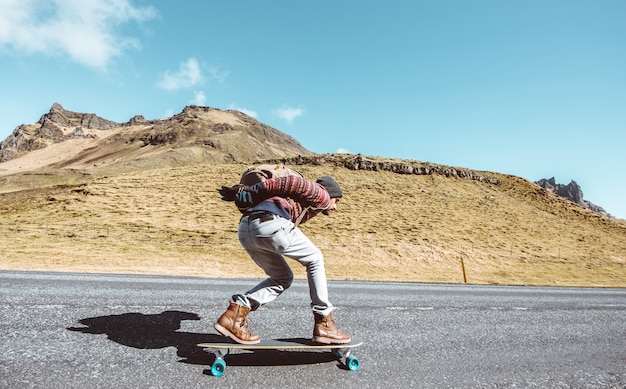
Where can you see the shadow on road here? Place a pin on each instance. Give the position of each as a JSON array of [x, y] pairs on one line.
[[152, 331], [155, 331]]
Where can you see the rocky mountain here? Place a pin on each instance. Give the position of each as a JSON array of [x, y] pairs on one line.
[[572, 192], [197, 134]]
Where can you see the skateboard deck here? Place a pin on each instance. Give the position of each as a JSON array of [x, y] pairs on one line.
[[343, 352]]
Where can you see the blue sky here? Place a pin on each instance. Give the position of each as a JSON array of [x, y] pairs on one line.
[[531, 88]]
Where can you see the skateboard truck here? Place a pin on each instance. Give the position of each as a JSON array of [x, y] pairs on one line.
[[346, 357]]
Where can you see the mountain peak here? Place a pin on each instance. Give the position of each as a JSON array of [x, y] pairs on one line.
[[196, 134], [59, 116]]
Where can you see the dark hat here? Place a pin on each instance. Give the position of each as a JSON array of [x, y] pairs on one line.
[[331, 186]]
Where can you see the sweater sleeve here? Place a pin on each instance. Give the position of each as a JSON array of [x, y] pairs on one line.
[[307, 193]]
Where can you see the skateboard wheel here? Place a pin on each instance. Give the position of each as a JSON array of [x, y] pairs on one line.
[[218, 368], [352, 363]]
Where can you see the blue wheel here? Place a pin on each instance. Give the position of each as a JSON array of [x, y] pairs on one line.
[[218, 368], [353, 363]]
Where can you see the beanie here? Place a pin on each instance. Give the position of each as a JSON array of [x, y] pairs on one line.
[[331, 186]]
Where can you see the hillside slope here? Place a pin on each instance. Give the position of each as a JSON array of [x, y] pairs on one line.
[[391, 226]]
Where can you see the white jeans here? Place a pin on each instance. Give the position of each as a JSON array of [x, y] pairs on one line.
[[267, 243]]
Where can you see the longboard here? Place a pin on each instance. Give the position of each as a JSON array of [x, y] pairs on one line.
[[343, 352]]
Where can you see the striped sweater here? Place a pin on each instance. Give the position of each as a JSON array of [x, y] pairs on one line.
[[290, 196]]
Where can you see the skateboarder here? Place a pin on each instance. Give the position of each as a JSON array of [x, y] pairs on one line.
[[268, 231]]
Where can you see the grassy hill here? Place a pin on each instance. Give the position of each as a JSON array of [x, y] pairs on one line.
[[398, 227]]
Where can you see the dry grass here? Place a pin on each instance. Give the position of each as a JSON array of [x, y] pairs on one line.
[[414, 228]]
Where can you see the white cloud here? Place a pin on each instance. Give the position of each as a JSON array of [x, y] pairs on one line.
[[244, 110], [86, 30], [187, 76], [288, 114], [199, 98], [341, 150]]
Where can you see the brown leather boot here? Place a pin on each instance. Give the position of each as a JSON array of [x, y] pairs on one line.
[[233, 324], [326, 331]]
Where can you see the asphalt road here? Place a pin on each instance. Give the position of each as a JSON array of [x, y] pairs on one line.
[[102, 331]]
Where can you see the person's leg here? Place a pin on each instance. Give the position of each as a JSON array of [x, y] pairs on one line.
[[267, 243], [306, 253], [257, 238], [264, 242]]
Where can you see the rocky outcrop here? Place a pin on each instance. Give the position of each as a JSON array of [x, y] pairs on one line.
[[56, 126], [359, 162], [572, 192], [59, 116], [136, 120], [20, 142]]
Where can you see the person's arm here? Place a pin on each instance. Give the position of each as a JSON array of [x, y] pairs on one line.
[[306, 192]]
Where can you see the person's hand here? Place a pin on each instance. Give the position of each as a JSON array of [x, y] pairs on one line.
[[245, 197], [229, 192], [242, 195]]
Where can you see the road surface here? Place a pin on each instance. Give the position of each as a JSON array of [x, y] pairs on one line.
[[63, 330]]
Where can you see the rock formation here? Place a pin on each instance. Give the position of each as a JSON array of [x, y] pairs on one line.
[[56, 126], [572, 192]]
